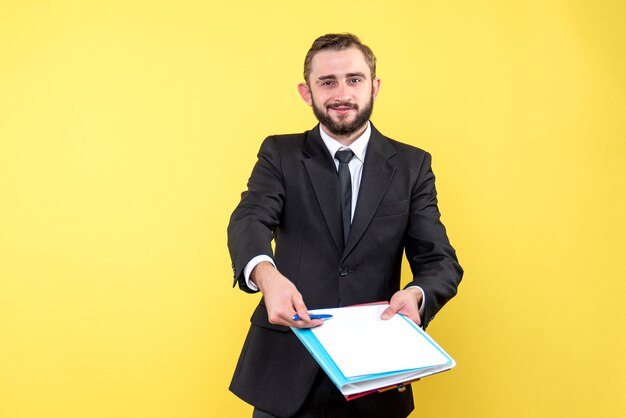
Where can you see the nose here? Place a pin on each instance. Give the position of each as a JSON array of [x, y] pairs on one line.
[[343, 93]]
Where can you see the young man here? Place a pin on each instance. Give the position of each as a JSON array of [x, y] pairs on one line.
[[342, 202]]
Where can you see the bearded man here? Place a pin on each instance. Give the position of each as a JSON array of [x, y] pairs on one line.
[[342, 203]]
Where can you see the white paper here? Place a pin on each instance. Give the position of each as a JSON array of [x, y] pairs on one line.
[[361, 343]]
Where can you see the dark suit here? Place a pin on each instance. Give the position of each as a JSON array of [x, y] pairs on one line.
[[293, 197]]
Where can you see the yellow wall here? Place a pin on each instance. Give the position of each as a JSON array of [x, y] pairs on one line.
[[128, 130]]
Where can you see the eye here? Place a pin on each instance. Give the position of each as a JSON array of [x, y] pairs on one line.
[[355, 80], [327, 83]]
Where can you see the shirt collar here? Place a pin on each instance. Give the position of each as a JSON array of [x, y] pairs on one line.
[[358, 147]]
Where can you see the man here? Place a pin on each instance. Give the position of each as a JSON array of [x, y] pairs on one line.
[[342, 203]]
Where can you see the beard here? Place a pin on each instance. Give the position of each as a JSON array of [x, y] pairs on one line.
[[342, 127]]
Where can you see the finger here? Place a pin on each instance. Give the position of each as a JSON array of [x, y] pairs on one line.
[[388, 313], [302, 311], [300, 307], [307, 324], [282, 317]]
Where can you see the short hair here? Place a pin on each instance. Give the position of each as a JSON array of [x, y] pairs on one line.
[[338, 42]]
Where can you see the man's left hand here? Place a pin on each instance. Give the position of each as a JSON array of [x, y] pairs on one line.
[[405, 302]]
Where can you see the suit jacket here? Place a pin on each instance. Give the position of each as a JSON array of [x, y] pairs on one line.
[[293, 198]]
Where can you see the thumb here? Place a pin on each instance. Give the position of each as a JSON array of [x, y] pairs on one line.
[[388, 313], [300, 307]]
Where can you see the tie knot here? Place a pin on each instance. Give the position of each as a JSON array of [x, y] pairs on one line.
[[344, 156]]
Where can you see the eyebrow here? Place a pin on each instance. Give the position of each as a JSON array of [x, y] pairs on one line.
[[334, 77]]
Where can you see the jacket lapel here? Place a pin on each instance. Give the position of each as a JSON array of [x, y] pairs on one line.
[[323, 176], [377, 175]]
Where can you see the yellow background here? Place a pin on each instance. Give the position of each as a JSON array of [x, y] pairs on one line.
[[128, 130]]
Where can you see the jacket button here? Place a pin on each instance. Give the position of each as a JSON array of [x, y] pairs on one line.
[[343, 272]]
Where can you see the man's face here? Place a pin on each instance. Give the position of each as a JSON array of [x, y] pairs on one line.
[[341, 91]]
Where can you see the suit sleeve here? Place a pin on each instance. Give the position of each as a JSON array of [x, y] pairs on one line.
[[432, 259], [252, 223]]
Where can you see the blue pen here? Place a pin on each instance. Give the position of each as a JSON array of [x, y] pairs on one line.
[[323, 317]]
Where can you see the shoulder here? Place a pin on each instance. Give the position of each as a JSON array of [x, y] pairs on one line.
[[287, 139], [284, 143], [406, 149], [400, 151]]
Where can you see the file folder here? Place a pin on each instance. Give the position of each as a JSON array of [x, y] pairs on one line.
[[363, 354]]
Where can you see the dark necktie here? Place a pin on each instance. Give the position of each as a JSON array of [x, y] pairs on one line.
[[345, 189]]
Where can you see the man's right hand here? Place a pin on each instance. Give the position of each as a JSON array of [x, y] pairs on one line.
[[281, 297]]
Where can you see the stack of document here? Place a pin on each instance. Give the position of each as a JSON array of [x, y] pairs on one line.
[[362, 354]]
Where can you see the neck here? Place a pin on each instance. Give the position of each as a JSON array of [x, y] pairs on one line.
[[345, 140]]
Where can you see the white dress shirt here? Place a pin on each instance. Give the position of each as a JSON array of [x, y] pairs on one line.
[[359, 148]]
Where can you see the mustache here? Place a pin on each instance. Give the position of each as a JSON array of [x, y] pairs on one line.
[[348, 105]]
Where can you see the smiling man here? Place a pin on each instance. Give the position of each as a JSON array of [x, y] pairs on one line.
[[341, 91], [342, 203]]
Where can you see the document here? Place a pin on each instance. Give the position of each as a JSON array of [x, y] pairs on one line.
[[361, 353]]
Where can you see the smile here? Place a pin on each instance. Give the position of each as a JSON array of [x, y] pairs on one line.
[[342, 109]]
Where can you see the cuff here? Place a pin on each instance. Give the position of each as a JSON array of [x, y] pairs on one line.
[[252, 264]]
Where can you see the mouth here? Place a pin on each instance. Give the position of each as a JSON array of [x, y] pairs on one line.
[[342, 109]]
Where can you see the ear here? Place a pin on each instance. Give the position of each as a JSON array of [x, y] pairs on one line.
[[305, 93], [375, 87]]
